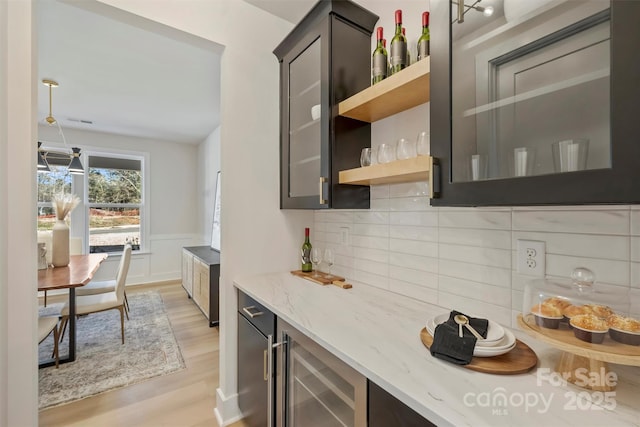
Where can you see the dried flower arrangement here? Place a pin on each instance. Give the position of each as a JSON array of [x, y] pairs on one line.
[[63, 204]]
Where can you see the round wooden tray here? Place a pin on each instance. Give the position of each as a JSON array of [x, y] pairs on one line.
[[563, 339], [518, 361]]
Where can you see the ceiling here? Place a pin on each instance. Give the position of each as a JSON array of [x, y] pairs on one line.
[[126, 75], [289, 10], [123, 74]]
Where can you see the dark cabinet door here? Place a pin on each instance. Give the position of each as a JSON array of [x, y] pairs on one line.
[[385, 410], [253, 388], [323, 61], [534, 105]]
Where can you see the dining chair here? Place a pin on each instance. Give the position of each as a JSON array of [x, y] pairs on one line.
[[46, 325], [100, 287], [87, 304]]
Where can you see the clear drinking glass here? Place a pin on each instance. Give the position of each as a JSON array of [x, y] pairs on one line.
[[570, 155], [478, 167], [316, 258], [524, 159], [406, 149], [386, 153], [365, 157], [423, 144], [328, 258]]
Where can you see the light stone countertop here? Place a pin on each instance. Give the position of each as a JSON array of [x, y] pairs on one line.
[[377, 332]]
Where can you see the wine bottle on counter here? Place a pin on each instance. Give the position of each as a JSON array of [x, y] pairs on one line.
[[425, 38], [306, 252], [398, 46], [379, 62]]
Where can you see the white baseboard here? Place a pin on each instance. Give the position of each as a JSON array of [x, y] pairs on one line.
[[227, 410]]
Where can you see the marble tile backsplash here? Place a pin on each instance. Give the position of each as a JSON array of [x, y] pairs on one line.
[[465, 258]]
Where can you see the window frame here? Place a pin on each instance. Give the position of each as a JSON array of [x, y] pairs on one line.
[[143, 158]]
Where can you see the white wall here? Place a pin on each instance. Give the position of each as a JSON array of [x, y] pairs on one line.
[[208, 167], [252, 223], [172, 181], [18, 303]]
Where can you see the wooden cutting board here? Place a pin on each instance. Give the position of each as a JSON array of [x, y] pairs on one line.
[[518, 361], [323, 279]]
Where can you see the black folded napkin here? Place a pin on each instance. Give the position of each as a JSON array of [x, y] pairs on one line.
[[447, 345]]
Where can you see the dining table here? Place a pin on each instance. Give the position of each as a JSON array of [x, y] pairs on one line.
[[78, 273]]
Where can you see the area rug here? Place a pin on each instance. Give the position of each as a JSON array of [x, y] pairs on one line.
[[102, 362]]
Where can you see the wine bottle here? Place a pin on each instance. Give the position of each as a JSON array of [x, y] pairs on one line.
[[379, 59], [306, 252], [425, 38], [398, 46], [408, 54]]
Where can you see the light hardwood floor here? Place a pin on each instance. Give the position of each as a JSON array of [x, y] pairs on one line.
[[182, 399]]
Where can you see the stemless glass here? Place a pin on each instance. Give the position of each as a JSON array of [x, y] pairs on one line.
[[386, 153], [328, 258], [406, 149], [423, 144], [316, 258], [365, 157]]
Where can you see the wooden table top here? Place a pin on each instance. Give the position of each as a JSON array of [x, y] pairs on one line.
[[79, 272]]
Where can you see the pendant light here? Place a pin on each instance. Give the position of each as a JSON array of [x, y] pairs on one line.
[[43, 166], [75, 166]]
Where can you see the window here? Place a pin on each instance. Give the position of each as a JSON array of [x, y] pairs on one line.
[[49, 184], [114, 199]]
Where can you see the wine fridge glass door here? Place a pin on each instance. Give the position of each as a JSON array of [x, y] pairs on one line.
[[316, 388]]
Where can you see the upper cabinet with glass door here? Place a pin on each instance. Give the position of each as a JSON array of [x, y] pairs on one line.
[[324, 60], [536, 103]]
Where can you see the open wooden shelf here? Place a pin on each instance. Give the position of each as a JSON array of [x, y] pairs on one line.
[[409, 170], [399, 92]]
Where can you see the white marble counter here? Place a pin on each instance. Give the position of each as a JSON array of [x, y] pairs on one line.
[[378, 333]]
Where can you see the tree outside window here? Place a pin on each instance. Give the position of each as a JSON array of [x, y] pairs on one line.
[[114, 202], [51, 183]]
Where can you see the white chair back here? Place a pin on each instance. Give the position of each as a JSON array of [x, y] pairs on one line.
[[123, 269]]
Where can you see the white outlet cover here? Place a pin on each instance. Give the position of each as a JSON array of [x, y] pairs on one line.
[[531, 266]]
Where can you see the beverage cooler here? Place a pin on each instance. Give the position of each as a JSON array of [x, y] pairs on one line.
[[313, 387]]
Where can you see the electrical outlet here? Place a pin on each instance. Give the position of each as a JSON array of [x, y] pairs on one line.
[[344, 235], [531, 256]]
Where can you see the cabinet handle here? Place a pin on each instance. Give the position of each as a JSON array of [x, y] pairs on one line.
[[269, 377], [265, 364], [321, 187], [254, 314]]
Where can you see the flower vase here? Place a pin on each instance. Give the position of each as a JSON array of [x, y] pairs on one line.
[[60, 244]]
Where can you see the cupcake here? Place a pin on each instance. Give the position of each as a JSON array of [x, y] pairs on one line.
[[601, 311], [547, 315], [624, 329], [561, 303], [575, 310], [589, 328]]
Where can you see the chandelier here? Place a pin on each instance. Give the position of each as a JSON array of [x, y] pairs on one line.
[[75, 166]]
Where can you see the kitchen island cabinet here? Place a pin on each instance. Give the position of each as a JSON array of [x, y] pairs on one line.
[[377, 333], [201, 277]]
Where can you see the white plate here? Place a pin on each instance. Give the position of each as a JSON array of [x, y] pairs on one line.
[[510, 343], [495, 332]]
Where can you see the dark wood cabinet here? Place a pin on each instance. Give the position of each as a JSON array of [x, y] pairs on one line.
[[507, 90], [324, 60], [201, 279], [255, 325], [384, 410]]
